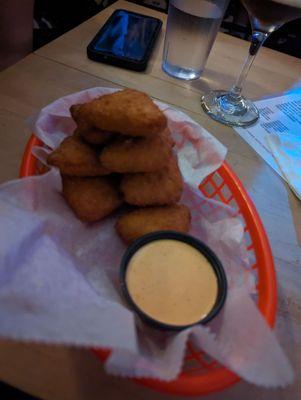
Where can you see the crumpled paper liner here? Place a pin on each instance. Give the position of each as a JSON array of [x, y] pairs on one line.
[[59, 276], [286, 149]]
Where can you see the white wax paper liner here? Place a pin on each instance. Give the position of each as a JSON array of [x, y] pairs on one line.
[[59, 276]]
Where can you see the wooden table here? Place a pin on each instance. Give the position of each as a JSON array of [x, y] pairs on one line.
[[62, 67]]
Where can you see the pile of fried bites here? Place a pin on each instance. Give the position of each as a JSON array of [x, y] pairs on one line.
[[122, 153]]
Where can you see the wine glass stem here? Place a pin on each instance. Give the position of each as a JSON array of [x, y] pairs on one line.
[[257, 40]]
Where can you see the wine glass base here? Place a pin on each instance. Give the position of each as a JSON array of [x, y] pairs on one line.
[[217, 106]]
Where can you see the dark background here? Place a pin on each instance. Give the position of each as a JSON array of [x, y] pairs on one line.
[[55, 17]]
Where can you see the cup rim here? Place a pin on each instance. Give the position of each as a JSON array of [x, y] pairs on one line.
[[192, 241]]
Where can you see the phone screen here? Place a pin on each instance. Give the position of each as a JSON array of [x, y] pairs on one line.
[[127, 35]]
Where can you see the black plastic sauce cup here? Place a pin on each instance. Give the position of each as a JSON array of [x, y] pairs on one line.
[[202, 248]]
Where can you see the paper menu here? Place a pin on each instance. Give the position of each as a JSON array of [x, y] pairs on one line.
[[280, 115]]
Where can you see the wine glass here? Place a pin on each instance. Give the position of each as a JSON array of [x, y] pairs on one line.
[[230, 107]]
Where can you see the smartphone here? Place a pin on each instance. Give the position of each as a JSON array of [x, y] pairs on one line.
[[126, 40]]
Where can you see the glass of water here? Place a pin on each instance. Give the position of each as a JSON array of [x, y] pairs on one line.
[[192, 26]]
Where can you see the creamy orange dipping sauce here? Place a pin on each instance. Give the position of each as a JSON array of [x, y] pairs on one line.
[[172, 282]]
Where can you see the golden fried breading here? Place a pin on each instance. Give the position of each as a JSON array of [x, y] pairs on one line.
[[137, 223], [74, 109], [91, 199], [88, 133], [162, 187], [136, 154], [96, 136], [166, 136], [129, 112], [74, 157]]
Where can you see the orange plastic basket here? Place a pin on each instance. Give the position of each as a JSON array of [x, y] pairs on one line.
[[201, 374]]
